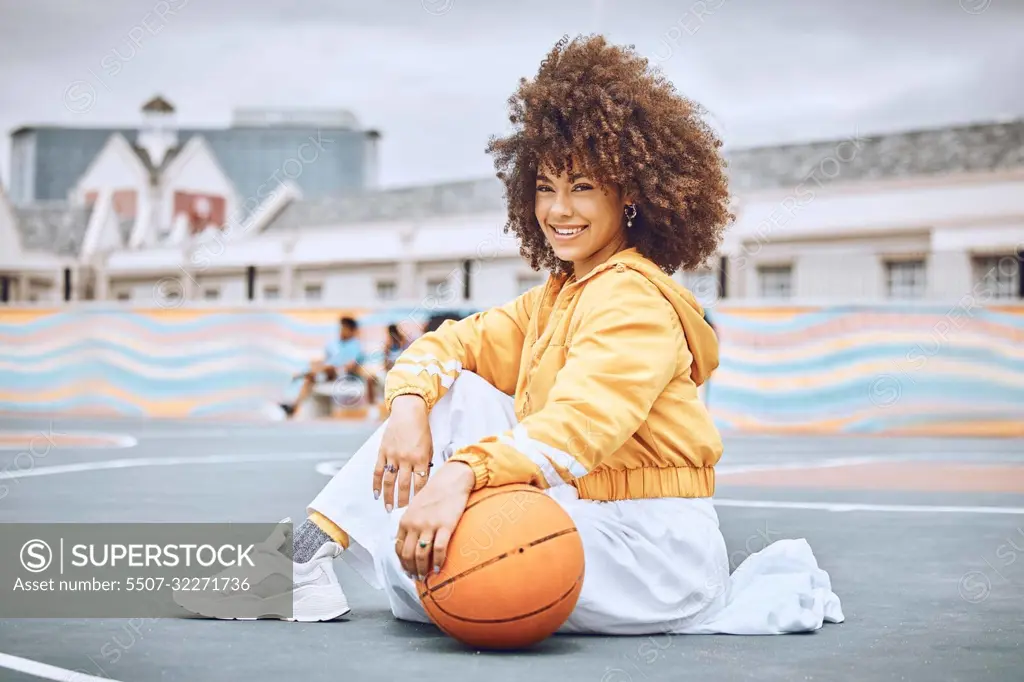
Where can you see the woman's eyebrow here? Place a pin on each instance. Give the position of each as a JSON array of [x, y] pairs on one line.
[[572, 178]]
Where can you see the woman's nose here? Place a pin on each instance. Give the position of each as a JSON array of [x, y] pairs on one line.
[[561, 206]]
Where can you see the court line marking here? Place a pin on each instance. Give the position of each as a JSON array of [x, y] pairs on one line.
[[231, 433], [160, 461], [855, 506], [846, 506], [115, 440], [728, 469], [47, 671], [330, 468]]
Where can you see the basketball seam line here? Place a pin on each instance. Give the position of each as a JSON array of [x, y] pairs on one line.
[[561, 598], [490, 561]]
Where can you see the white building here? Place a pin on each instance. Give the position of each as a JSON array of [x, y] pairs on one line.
[[935, 214], [922, 215]]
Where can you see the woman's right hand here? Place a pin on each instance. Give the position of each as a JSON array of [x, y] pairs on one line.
[[406, 450]]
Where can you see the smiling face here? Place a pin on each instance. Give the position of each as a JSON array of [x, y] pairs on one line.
[[583, 221]]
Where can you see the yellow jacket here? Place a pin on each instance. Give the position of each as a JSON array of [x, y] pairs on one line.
[[605, 373]]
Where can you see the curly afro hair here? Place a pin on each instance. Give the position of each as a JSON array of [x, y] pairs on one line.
[[598, 109]]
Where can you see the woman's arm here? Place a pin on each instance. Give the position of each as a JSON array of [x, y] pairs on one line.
[[622, 357], [489, 343]]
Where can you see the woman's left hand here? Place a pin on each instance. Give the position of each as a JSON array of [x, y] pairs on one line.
[[431, 517]]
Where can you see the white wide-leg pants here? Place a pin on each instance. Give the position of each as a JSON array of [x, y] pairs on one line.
[[653, 566]]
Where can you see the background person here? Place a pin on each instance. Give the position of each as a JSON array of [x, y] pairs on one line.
[[393, 347], [343, 356]]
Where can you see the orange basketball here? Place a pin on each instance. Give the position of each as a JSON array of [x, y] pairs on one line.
[[513, 573]]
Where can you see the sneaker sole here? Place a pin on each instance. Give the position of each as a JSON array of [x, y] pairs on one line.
[[313, 603]]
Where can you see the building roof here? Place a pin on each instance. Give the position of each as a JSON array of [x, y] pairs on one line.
[[322, 161], [158, 105], [971, 148], [303, 117], [470, 196], [53, 226]]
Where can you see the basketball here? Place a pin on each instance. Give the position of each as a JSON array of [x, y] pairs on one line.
[[513, 572]]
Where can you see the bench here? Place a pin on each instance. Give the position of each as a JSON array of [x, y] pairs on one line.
[[343, 398]]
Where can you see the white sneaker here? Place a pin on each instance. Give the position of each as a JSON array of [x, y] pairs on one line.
[[276, 588]]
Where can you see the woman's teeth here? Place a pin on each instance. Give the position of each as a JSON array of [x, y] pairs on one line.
[[568, 232]]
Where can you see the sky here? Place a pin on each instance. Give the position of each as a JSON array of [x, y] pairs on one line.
[[434, 76]]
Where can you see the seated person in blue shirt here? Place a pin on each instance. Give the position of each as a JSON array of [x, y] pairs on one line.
[[342, 356]]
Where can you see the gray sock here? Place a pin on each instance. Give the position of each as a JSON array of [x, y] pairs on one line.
[[307, 540]]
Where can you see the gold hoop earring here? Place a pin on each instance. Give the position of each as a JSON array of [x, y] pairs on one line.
[[629, 215]]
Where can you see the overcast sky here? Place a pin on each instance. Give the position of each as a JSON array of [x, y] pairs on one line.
[[434, 75]]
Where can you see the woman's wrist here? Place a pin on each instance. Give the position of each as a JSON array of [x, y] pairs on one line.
[[463, 472], [408, 401]]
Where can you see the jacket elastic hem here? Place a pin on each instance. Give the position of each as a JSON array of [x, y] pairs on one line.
[[479, 466], [645, 483], [403, 390]]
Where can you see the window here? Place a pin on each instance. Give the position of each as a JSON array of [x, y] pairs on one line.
[[905, 279], [998, 276], [775, 281], [271, 292], [444, 289], [211, 294], [438, 286], [526, 282], [313, 292], [387, 290]]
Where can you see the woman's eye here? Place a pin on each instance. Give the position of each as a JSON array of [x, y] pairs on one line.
[[543, 188], [582, 186]]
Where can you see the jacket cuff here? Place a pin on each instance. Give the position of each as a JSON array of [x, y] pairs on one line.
[[404, 390], [477, 463]]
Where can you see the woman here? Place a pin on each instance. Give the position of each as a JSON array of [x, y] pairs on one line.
[[396, 343], [585, 386]]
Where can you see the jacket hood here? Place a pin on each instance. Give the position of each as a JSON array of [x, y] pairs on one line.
[[700, 337]]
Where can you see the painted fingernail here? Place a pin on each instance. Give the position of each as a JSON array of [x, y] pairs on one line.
[[437, 569], [376, 494], [387, 507], [420, 578]]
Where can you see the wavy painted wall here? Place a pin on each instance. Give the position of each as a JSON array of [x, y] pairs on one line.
[[914, 370], [855, 369], [167, 362]]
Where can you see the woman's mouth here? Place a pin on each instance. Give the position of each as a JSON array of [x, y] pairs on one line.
[[563, 232]]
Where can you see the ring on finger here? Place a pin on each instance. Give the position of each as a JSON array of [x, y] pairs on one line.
[[390, 468]]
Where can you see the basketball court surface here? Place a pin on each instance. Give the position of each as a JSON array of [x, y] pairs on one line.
[[923, 539]]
